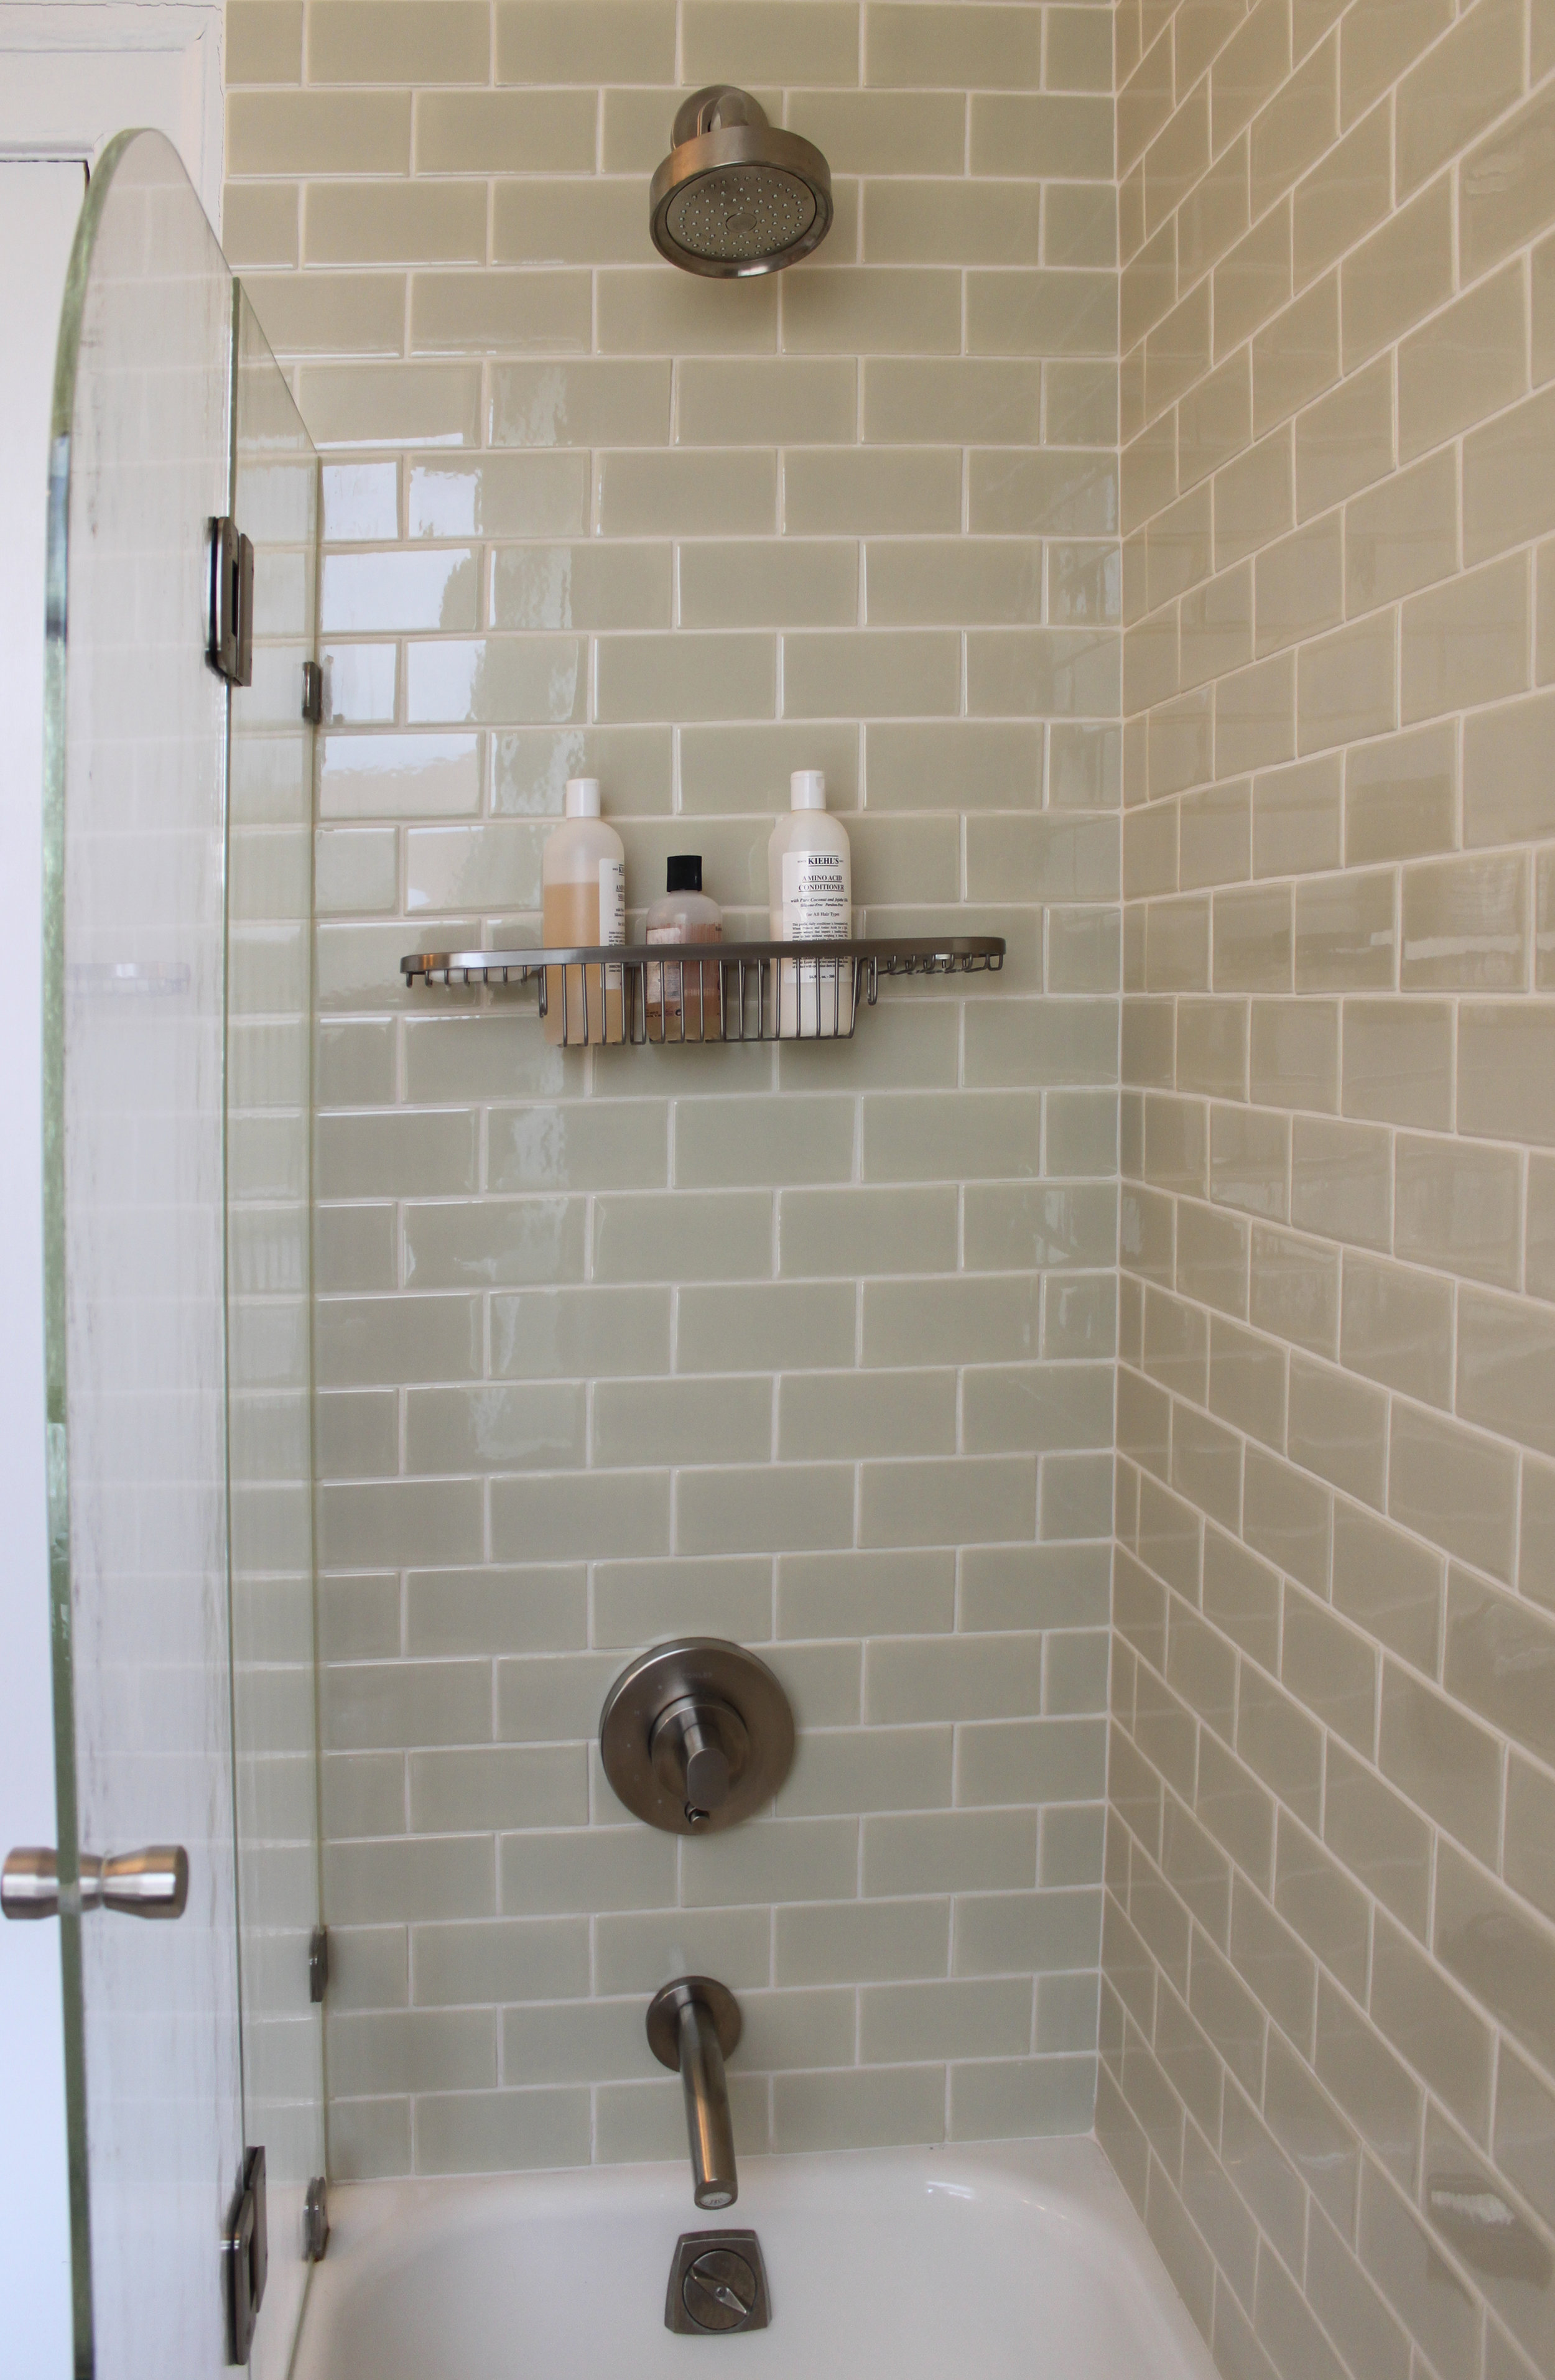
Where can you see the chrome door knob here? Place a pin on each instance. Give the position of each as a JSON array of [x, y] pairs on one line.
[[149, 1883]]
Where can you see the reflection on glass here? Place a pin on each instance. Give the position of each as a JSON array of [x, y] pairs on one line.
[[368, 776], [270, 892], [358, 685]]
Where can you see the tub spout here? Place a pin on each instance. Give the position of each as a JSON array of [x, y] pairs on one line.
[[693, 2025], [708, 2128]]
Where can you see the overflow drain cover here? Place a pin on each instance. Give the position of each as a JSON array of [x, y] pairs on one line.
[[717, 2283], [719, 2290]]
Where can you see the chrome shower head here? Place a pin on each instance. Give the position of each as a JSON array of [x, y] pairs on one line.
[[736, 195]]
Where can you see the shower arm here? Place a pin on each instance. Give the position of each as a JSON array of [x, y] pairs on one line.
[[717, 109]]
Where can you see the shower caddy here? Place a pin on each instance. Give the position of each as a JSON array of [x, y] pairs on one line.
[[741, 981]]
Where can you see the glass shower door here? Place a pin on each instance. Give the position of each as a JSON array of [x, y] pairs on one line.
[[270, 1000], [134, 1024], [181, 1552]]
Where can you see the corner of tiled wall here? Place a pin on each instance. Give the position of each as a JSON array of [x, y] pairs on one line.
[[1328, 1962], [816, 1351]]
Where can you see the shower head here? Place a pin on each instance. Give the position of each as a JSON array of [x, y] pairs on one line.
[[736, 195]]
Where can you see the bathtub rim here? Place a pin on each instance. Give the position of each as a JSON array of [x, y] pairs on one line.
[[1067, 2176]]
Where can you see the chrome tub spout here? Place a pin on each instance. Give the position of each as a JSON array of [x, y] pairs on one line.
[[693, 2025]]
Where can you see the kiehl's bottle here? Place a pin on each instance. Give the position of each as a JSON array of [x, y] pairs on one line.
[[809, 897], [583, 901]]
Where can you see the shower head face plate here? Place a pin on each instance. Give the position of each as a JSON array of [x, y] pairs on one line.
[[738, 196], [748, 217]]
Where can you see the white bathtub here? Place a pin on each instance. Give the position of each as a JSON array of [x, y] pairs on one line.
[[1011, 2263]]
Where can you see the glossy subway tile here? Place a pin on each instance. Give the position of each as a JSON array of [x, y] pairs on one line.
[[824, 1346]]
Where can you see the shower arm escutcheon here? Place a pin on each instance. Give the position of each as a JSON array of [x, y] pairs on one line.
[[693, 2025], [696, 1735]]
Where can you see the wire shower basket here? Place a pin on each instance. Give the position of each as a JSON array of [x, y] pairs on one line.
[[673, 992]]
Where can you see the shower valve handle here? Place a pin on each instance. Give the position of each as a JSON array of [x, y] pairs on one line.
[[707, 1771], [698, 1747]]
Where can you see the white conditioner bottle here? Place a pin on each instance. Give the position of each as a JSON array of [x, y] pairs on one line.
[[809, 897]]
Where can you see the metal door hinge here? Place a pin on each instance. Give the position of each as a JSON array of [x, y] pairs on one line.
[[317, 1963], [231, 648], [313, 693], [315, 2220], [245, 2258]]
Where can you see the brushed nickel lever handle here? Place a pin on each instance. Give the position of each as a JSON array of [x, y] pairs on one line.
[[149, 1883]]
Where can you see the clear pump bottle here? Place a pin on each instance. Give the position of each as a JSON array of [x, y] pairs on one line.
[[685, 998]]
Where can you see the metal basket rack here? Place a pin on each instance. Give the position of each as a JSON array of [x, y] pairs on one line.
[[652, 995]]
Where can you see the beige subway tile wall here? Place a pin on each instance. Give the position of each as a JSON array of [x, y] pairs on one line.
[[813, 1349], [1328, 1957]]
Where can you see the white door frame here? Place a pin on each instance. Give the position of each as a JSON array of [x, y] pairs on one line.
[[72, 74], [39, 204]]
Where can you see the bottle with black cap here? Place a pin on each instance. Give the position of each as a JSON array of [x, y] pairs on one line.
[[685, 1000]]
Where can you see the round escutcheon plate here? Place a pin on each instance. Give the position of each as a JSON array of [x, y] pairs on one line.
[[695, 1670]]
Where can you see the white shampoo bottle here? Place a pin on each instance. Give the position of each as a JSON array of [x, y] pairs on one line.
[[583, 901], [809, 899]]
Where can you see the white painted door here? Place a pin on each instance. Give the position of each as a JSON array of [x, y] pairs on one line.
[[39, 205]]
